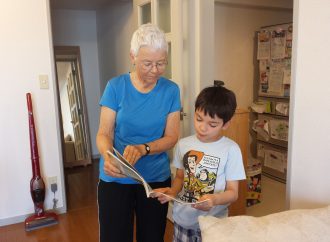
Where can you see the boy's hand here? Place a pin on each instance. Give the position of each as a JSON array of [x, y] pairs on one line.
[[207, 205], [159, 194], [228, 196]]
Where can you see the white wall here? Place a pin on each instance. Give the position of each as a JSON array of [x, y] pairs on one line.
[[309, 139], [235, 27], [115, 26], [26, 52], [78, 28], [204, 36]]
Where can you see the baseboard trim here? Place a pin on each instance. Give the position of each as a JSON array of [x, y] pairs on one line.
[[21, 218]]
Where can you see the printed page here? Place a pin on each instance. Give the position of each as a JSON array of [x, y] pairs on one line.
[[127, 169], [278, 44], [275, 160], [263, 45], [279, 129], [178, 200], [275, 81]]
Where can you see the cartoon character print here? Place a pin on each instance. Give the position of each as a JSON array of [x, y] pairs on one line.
[[208, 180], [200, 173]]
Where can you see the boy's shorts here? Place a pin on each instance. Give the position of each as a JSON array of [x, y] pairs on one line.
[[186, 235]]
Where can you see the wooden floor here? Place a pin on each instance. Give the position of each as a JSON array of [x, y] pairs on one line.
[[80, 223]]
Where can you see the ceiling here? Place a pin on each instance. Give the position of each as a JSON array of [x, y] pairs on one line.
[[83, 4]]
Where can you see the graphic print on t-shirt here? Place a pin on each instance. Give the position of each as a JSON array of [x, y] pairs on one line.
[[200, 174]]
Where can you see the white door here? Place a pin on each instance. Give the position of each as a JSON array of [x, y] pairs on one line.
[[167, 15], [75, 116]]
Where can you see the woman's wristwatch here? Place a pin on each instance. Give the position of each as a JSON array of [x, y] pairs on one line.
[[147, 147]]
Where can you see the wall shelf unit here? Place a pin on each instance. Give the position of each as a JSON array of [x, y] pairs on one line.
[[272, 98]]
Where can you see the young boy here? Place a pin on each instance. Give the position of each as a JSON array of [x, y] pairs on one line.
[[208, 164]]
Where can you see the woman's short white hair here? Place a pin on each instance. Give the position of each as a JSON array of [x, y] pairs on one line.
[[148, 35]]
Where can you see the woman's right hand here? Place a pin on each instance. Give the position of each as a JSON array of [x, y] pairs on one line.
[[110, 167]]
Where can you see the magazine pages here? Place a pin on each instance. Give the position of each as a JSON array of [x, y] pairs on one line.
[[128, 170]]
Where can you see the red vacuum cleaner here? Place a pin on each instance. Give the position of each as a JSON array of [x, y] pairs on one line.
[[37, 186]]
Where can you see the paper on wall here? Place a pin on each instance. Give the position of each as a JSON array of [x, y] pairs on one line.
[[275, 160], [263, 45], [279, 129], [286, 76], [275, 83], [278, 44], [262, 128], [282, 108]]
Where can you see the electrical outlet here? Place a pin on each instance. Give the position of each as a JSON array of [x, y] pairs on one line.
[[52, 180]]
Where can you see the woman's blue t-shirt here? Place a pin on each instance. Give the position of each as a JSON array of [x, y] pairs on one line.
[[140, 118]]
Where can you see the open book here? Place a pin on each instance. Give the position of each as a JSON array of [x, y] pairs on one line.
[[128, 170]]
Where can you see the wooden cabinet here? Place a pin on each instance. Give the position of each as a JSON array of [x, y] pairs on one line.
[[239, 132]]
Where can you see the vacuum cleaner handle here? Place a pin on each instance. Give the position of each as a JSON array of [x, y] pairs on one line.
[[33, 139]]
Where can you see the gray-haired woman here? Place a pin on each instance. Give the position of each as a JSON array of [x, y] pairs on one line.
[[140, 118]]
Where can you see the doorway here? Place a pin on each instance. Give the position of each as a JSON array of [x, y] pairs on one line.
[[75, 133], [242, 75], [75, 138]]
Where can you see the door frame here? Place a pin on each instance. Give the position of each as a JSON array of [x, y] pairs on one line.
[[72, 53], [175, 40]]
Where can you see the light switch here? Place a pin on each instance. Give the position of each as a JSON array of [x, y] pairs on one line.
[[43, 80]]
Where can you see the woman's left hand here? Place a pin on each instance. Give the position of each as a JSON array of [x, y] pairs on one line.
[[133, 153]]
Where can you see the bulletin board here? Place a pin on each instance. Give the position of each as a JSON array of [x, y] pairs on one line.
[[274, 56]]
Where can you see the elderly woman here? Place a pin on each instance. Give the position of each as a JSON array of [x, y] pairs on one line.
[[140, 118]]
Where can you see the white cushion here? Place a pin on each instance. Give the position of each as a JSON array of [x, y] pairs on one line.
[[298, 225]]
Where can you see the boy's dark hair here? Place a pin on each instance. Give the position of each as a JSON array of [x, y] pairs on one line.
[[217, 100]]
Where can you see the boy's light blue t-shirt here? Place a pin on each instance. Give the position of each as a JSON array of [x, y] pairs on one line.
[[140, 118], [223, 158]]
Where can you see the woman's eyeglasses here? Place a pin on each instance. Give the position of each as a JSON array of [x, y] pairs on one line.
[[148, 65]]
